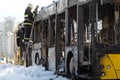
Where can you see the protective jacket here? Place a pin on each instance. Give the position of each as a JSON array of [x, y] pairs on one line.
[[29, 17]]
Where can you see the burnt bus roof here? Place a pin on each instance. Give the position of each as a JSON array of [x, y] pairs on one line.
[[111, 1], [52, 9], [60, 6]]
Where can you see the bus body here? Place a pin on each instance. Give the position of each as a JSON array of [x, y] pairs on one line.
[[79, 38]]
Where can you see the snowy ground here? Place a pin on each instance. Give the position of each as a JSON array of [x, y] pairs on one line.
[[10, 72]]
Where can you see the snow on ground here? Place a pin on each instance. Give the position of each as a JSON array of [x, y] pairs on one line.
[[11, 72]]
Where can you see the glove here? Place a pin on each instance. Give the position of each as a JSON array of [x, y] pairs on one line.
[[36, 9]]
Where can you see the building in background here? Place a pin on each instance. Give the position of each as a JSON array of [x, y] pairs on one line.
[[6, 43], [2, 26], [9, 23], [9, 44], [6, 37]]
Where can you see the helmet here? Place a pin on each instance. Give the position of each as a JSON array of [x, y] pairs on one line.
[[30, 5]]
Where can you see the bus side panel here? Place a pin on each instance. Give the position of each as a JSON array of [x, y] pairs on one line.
[[51, 59], [34, 52]]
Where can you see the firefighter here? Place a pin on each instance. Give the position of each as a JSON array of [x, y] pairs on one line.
[[20, 37], [29, 19], [20, 34]]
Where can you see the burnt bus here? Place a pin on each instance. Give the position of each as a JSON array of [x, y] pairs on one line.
[[78, 38]]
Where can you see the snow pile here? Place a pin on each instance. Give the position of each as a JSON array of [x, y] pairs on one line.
[[10, 72]]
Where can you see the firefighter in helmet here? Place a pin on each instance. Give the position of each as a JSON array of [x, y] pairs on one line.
[[28, 20]]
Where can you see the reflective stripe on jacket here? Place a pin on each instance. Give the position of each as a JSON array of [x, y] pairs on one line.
[[28, 16], [27, 24], [26, 38]]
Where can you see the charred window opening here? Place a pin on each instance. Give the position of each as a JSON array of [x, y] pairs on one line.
[[107, 28], [44, 54], [72, 25], [87, 24], [45, 32], [52, 31], [62, 33], [37, 32], [60, 40]]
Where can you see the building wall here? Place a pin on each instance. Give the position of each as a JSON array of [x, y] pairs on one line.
[[2, 26], [6, 36], [9, 23], [7, 43], [10, 44]]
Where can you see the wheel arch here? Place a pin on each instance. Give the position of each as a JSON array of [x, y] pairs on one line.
[[37, 56], [69, 56]]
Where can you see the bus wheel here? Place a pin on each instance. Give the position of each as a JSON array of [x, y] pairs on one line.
[[71, 66], [72, 69], [37, 59]]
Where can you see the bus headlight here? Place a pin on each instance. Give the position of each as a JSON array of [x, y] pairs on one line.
[[108, 66], [102, 74]]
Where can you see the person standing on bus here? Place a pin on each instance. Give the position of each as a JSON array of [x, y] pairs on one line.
[[29, 19], [20, 37]]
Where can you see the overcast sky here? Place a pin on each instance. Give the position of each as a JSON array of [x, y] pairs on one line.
[[15, 8]]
